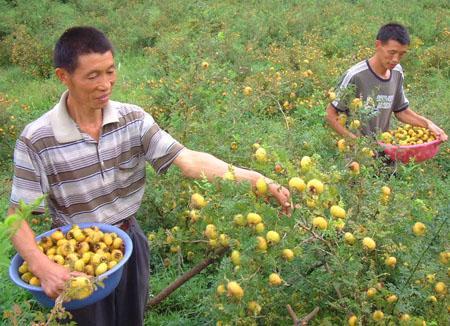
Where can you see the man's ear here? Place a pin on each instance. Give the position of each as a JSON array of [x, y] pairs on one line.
[[62, 75], [378, 43]]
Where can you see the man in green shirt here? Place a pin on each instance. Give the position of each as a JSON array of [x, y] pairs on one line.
[[379, 80]]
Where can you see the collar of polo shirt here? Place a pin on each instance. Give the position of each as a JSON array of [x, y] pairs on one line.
[[65, 129]]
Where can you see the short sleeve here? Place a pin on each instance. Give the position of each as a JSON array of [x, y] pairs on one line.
[[28, 181], [160, 148], [342, 93], [400, 102]]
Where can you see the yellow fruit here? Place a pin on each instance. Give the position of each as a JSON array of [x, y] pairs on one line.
[[305, 163], [354, 167], [355, 124], [221, 289], [337, 211], [352, 320], [253, 218], [205, 65], [440, 288], [247, 90], [431, 278], [235, 257], [235, 290], [26, 277], [35, 281], [275, 279], [287, 254], [57, 235], [419, 229], [58, 259], [254, 308], [392, 298], [349, 238], [259, 228], [311, 203], [79, 265], [386, 137], [371, 292], [262, 244], [101, 268], [272, 237], [89, 270], [23, 268], [331, 96], [342, 146], [239, 220], [197, 201], [261, 155], [229, 175], [385, 190], [390, 261], [117, 243], [320, 223], [297, 184], [432, 298], [405, 317], [356, 103], [261, 186], [111, 264], [210, 231], [342, 119], [80, 288], [224, 240], [378, 315], [444, 257], [369, 244], [315, 186], [368, 152]]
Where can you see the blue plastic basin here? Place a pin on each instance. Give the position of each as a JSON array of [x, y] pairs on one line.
[[110, 279]]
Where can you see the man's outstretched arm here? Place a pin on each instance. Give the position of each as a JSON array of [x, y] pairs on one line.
[[412, 118], [195, 164]]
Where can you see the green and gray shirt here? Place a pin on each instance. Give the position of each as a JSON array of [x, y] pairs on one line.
[[384, 95]]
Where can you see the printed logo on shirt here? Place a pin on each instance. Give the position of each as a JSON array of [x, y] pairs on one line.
[[384, 101]]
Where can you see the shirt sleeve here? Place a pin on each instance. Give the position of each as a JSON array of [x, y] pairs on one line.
[[342, 94], [28, 179], [400, 102], [160, 148]]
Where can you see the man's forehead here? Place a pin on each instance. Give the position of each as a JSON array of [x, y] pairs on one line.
[[395, 45], [89, 61]]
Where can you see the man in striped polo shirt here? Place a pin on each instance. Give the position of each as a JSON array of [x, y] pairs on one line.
[[379, 80], [88, 154]]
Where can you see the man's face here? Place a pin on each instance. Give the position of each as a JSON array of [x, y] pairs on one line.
[[390, 53], [91, 84]]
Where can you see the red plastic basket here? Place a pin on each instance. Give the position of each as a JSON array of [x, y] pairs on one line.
[[418, 153]]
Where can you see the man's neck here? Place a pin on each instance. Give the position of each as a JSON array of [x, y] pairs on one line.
[[88, 120], [378, 68]]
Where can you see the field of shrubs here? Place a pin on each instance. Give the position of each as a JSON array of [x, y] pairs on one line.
[[367, 243]]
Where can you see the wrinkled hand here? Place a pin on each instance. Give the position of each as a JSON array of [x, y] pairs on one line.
[[437, 131], [51, 275], [282, 195]]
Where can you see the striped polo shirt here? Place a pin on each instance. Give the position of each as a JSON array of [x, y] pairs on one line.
[[382, 96], [87, 180]]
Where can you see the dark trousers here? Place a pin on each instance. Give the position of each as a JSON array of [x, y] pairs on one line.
[[126, 305]]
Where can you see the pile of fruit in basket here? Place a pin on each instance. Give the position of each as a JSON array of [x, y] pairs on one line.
[[87, 250], [407, 135]]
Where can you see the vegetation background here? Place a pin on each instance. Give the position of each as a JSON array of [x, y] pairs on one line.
[[290, 53]]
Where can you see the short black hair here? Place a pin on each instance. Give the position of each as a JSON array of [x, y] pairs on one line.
[[393, 31], [77, 41]]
